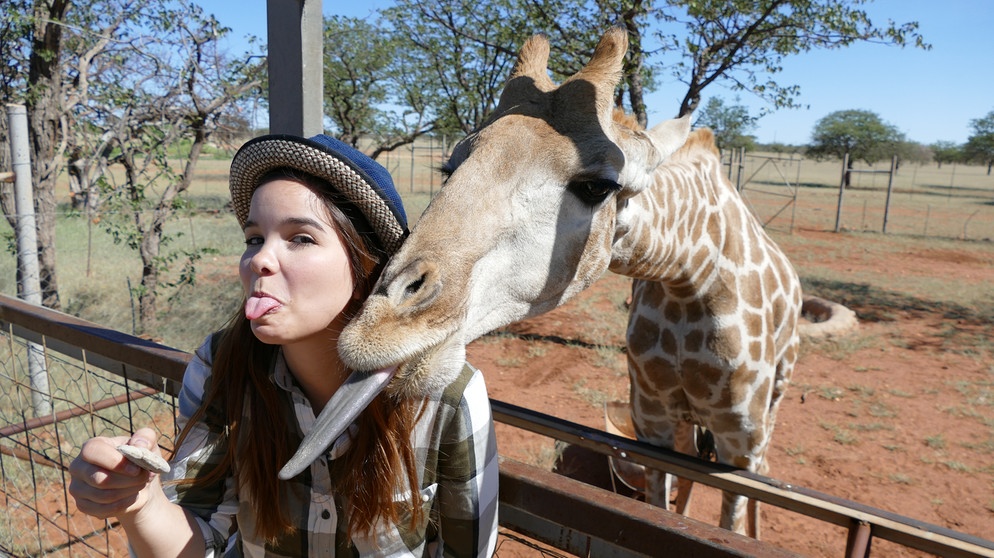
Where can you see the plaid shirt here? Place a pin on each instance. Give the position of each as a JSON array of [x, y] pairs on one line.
[[454, 443]]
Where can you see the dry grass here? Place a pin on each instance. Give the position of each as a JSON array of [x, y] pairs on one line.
[[95, 274]]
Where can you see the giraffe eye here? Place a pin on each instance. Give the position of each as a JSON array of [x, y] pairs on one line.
[[594, 191]]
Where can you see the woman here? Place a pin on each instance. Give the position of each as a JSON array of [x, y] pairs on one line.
[[320, 219]]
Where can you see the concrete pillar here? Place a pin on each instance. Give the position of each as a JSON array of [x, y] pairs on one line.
[[295, 31], [27, 249]]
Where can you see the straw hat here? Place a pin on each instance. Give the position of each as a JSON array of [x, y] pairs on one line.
[[363, 181]]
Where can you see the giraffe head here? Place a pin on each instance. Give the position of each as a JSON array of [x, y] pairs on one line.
[[525, 220], [533, 202]]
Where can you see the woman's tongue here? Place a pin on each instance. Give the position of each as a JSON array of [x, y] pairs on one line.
[[256, 306]]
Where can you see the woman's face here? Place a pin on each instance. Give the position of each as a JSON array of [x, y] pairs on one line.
[[295, 270]]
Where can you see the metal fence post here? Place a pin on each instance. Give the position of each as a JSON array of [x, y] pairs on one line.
[[842, 189], [890, 189], [27, 249]]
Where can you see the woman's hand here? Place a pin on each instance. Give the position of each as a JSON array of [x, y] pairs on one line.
[[106, 484]]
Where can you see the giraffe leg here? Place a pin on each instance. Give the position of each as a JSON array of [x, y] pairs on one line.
[[657, 488], [733, 512], [684, 487], [658, 484], [753, 519], [738, 513], [654, 419], [684, 442]]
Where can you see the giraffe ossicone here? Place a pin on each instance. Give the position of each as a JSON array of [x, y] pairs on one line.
[[558, 187]]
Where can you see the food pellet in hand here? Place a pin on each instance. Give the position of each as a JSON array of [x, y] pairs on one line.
[[145, 459]]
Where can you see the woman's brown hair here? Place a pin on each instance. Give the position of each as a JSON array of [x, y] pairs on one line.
[[380, 458]]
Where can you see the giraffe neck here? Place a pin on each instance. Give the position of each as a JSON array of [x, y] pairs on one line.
[[685, 228]]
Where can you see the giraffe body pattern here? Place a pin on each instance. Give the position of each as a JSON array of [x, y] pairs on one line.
[[712, 334], [553, 190]]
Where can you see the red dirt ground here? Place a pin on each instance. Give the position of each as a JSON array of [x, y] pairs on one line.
[[898, 415]]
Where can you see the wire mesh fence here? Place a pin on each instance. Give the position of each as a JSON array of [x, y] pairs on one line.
[[913, 199], [35, 451]]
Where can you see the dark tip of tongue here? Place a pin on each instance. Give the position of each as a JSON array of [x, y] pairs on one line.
[[351, 398]]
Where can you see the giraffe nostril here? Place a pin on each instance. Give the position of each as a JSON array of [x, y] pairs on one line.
[[416, 286]]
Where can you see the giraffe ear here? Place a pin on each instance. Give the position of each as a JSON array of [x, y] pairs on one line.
[[604, 70], [646, 150], [670, 135]]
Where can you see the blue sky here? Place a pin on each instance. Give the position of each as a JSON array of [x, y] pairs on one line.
[[929, 95]]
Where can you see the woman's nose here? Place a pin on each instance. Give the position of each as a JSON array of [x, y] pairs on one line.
[[264, 261]]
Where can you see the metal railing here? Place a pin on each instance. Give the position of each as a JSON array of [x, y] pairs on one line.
[[107, 381]]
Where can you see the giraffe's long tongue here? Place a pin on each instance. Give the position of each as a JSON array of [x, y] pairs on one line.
[[355, 394]]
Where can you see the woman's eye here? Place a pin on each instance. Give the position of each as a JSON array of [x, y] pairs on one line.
[[302, 239], [593, 192], [253, 241]]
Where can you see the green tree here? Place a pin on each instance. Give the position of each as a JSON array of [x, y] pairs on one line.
[[118, 82], [458, 53], [744, 42], [355, 76], [730, 123], [980, 145], [913, 152], [859, 133], [466, 48], [160, 106], [15, 48], [946, 152], [462, 52], [33, 34], [369, 88]]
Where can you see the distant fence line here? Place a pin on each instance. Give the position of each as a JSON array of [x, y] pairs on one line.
[[414, 167], [950, 201], [955, 201]]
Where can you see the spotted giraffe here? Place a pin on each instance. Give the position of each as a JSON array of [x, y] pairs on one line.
[[553, 190], [713, 325]]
